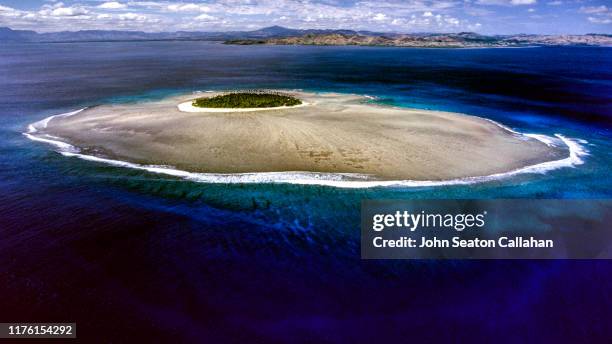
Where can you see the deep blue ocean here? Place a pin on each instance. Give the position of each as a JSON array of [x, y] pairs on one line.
[[146, 256]]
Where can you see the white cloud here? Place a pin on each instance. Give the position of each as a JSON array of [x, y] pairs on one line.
[[452, 21], [523, 2], [132, 17], [380, 17], [594, 9], [6, 11], [190, 7], [600, 20], [112, 5], [58, 10], [220, 15], [205, 17], [69, 11], [597, 14], [507, 2]]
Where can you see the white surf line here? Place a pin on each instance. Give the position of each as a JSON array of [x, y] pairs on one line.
[[52, 140], [547, 140], [341, 180], [188, 107], [33, 128]]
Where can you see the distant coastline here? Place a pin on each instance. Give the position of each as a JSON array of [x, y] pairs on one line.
[[452, 40], [277, 35]]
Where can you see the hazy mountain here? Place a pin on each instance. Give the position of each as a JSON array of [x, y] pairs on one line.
[[275, 31], [7, 34]]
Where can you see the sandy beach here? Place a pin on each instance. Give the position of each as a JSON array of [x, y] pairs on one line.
[[335, 133]]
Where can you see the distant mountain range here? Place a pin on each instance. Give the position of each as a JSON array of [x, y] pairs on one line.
[[278, 35]]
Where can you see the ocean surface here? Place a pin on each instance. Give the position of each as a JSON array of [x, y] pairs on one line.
[[130, 254]]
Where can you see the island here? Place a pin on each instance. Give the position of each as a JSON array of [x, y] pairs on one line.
[[247, 99], [324, 133]]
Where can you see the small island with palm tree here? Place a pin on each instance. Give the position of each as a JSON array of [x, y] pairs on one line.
[[247, 99]]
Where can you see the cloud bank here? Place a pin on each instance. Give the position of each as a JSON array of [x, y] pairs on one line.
[[486, 16]]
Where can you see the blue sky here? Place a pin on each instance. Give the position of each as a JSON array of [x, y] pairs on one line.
[[483, 16]]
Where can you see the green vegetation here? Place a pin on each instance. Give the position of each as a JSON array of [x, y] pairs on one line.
[[251, 99]]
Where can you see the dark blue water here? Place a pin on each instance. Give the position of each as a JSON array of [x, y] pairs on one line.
[[140, 255]]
